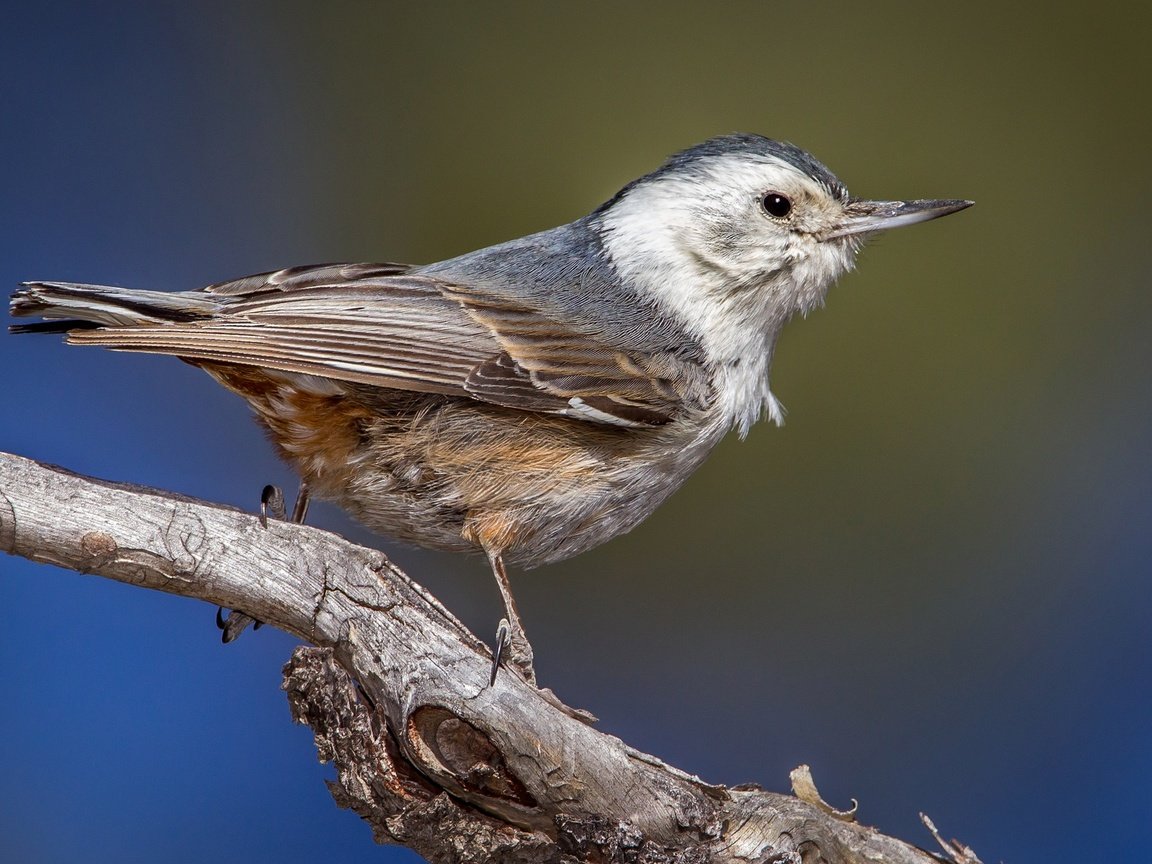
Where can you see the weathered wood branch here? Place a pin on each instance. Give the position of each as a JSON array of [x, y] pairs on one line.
[[396, 691]]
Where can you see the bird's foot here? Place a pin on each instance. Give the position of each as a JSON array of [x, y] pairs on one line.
[[512, 649], [271, 504], [234, 623]]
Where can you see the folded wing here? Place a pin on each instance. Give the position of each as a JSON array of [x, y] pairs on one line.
[[380, 325]]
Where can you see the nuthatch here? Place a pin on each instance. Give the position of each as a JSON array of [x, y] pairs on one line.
[[532, 399]]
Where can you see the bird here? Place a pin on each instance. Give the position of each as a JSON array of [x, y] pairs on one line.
[[532, 399]]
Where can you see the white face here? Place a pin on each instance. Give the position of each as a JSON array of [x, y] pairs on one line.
[[764, 222], [732, 241]]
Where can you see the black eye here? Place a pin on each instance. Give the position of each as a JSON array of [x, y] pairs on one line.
[[775, 204]]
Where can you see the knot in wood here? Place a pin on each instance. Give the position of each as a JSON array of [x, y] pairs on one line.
[[98, 545], [449, 744]]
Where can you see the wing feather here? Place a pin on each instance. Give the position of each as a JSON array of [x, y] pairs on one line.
[[387, 326]]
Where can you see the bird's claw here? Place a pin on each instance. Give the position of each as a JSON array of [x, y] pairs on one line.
[[502, 636], [233, 624], [512, 649], [271, 504], [271, 501]]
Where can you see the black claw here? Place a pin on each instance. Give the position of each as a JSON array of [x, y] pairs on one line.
[[271, 501], [271, 504], [234, 623], [502, 639]]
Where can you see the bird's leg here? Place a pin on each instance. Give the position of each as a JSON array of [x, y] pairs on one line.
[[271, 502], [512, 645], [300, 508]]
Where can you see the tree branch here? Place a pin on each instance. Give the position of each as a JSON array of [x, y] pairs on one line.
[[396, 692]]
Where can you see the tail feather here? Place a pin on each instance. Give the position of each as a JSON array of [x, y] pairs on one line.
[[65, 326], [71, 305]]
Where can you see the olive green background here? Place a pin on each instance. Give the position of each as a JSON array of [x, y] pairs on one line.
[[932, 584]]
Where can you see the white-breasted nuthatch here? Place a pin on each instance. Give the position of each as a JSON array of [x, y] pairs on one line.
[[535, 398]]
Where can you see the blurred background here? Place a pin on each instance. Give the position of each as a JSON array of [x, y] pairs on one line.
[[932, 584]]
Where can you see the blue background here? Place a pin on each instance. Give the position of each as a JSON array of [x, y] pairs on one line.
[[932, 584]]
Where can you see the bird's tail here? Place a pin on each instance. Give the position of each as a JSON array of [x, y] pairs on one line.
[[67, 306]]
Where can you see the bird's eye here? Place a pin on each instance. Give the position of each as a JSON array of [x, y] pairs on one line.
[[776, 205]]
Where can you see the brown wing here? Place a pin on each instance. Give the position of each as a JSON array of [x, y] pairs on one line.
[[597, 381], [383, 326]]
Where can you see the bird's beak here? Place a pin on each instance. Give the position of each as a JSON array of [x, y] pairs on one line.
[[867, 217]]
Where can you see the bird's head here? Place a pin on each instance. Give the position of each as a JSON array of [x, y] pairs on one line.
[[744, 229]]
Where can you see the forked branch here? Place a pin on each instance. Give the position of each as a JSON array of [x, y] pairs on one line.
[[397, 694]]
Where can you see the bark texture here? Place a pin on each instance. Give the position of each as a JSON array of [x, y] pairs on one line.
[[396, 692]]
